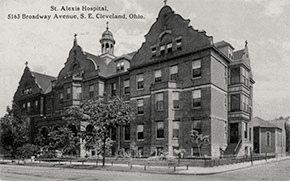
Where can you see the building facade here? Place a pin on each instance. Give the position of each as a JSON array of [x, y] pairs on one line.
[[269, 136], [178, 80]]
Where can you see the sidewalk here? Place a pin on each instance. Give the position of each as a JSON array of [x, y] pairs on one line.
[[184, 170]]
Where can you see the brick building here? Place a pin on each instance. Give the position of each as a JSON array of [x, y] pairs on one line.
[[178, 80]]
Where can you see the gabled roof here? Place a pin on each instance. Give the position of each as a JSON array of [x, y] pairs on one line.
[[238, 54], [128, 56], [223, 43], [42, 80], [258, 122]]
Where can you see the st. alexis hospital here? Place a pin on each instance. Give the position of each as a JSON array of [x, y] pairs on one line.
[[178, 80]]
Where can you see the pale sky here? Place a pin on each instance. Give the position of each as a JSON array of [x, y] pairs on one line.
[[45, 44]]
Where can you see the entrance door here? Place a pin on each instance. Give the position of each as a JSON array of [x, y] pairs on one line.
[[234, 132]]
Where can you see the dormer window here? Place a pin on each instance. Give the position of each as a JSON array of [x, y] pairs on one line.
[[120, 66], [178, 43]]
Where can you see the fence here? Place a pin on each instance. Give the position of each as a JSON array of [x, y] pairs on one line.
[[174, 163]]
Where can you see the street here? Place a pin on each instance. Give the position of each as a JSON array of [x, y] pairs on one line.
[[272, 171]]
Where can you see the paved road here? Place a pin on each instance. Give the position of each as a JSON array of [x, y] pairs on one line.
[[273, 171]]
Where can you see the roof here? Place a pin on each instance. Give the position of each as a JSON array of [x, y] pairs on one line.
[[223, 44], [108, 69], [259, 122], [42, 80], [100, 62], [238, 54], [128, 56]]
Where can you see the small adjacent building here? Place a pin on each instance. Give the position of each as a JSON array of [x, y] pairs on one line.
[[268, 137]]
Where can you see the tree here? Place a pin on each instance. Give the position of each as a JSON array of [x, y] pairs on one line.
[[62, 139], [14, 132], [102, 115], [198, 140]]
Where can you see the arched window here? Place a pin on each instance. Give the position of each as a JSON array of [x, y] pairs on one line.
[[268, 138], [44, 132], [89, 129]]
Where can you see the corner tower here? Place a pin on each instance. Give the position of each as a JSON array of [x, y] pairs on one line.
[[107, 41]]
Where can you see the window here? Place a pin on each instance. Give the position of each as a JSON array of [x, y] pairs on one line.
[[235, 75], [160, 151], [169, 47], [196, 125], [36, 104], [159, 101], [92, 91], [28, 106], [61, 97], [140, 132], [226, 103], [122, 65], [140, 81], [140, 151], [101, 88], [153, 51], [196, 68], [196, 98], [114, 133], [268, 138], [225, 74], [178, 43], [174, 72], [68, 93], [27, 91], [175, 100], [162, 49], [244, 105], [176, 127], [113, 89], [77, 93], [235, 102], [245, 76], [246, 130], [160, 130], [140, 106], [250, 134], [127, 133], [226, 130], [157, 75], [127, 87]]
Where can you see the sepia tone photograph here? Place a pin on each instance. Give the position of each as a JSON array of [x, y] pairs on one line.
[[144, 90]]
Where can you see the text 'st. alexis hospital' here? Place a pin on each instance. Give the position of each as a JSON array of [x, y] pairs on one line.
[[177, 81]]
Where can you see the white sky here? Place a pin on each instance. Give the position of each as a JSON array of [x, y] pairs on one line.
[[265, 24]]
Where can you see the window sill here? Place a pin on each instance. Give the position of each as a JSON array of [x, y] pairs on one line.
[[194, 78], [160, 110], [159, 139], [175, 109], [196, 107], [140, 139], [140, 114], [140, 89], [175, 138]]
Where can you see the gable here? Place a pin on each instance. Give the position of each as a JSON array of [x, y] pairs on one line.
[[170, 29], [32, 83]]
